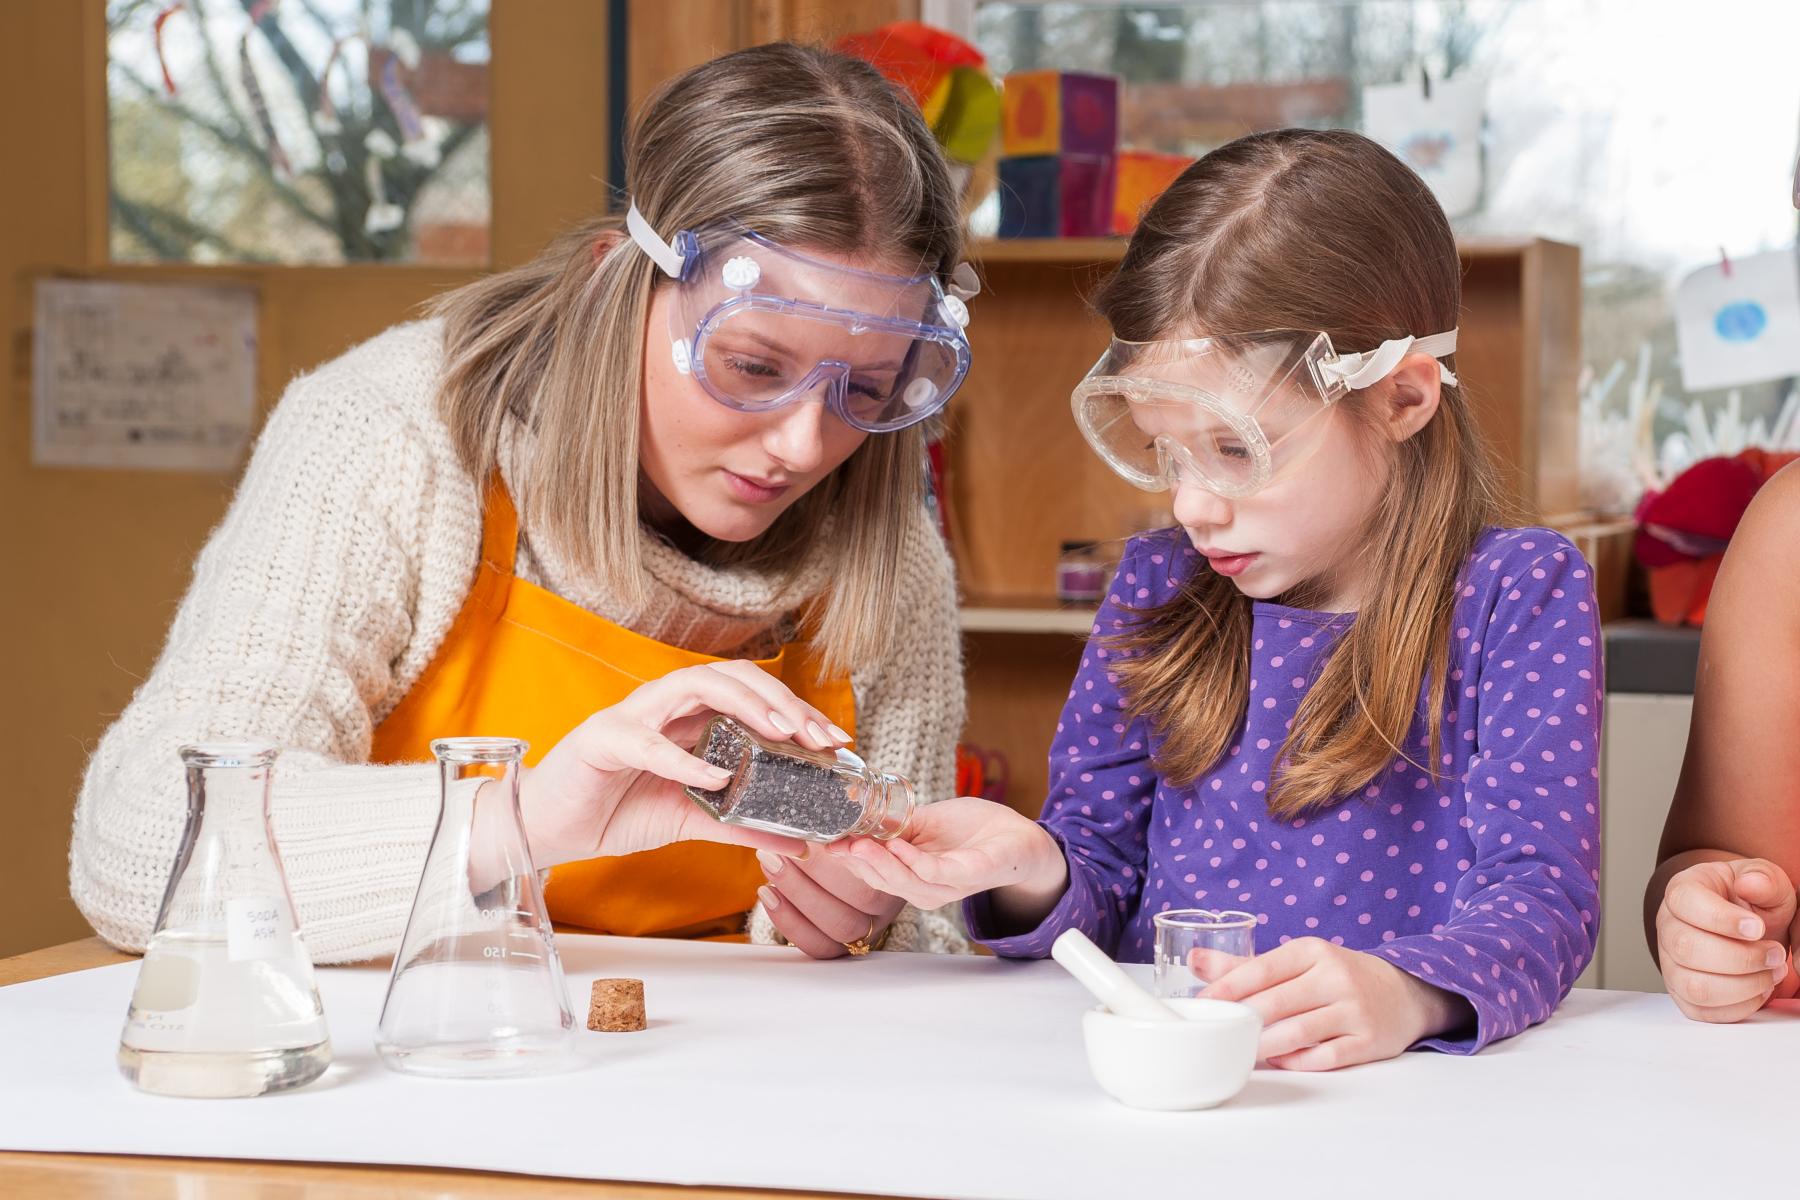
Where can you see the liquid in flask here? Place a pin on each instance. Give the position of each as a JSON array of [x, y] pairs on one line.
[[225, 1003]]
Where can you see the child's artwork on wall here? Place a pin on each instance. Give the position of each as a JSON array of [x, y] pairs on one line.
[[157, 376], [1435, 128], [1738, 322]]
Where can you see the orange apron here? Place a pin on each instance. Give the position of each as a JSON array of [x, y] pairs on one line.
[[522, 662]]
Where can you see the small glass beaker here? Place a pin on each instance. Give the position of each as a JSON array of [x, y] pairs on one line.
[[1181, 931], [225, 1002], [477, 988]]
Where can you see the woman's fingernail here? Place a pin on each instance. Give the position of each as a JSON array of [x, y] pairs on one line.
[[840, 735], [1775, 957], [1750, 927], [767, 896], [771, 863], [815, 733], [780, 722]]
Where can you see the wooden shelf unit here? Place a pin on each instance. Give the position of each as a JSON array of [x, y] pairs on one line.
[[1047, 250], [1024, 614], [1022, 480]]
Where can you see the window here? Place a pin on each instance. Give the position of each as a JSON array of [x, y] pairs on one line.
[[321, 132]]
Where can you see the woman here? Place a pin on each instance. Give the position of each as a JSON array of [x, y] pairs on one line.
[[557, 508]]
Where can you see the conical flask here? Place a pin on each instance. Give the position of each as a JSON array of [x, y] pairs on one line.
[[477, 989], [225, 1003]]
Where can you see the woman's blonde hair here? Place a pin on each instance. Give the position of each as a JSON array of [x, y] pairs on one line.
[[808, 147], [1312, 230]]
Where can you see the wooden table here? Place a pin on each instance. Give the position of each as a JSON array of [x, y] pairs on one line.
[[81, 1176]]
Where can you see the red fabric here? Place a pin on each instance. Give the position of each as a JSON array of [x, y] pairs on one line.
[[937, 464], [1679, 591], [1683, 530]]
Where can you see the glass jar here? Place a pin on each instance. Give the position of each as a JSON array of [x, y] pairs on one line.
[[1080, 573], [783, 788]]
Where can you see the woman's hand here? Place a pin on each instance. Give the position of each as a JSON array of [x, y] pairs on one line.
[[1722, 938], [820, 905], [1325, 1007], [956, 848], [613, 785]]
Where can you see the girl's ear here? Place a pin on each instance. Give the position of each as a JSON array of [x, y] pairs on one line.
[[1413, 392]]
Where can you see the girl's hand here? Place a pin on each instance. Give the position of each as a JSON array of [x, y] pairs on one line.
[[1325, 1007], [956, 848], [613, 784], [1721, 937], [820, 905]]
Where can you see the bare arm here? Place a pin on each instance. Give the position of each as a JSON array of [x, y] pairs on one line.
[[1739, 792]]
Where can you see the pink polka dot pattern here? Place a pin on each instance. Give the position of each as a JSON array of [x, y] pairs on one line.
[[1483, 881]]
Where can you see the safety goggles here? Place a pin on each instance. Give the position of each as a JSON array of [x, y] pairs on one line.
[[1233, 412], [759, 326]]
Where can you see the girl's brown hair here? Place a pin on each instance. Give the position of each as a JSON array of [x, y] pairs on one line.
[[1311, 230], [811, 148]]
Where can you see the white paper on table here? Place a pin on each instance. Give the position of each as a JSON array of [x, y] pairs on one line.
[[1740, 324], [932, 1075], [155, 376], [1439, 137]]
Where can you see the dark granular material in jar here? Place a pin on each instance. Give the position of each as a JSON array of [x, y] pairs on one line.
[[775, 791]]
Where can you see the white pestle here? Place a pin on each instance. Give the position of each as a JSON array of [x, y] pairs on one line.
[[1102, 976]]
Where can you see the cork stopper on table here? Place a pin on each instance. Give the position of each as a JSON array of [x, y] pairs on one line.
[[617, 1006]]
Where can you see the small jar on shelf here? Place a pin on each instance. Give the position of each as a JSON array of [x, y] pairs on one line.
[[1081, 572]]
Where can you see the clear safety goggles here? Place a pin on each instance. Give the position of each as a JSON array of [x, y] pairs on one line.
[[1232, 412], [760, 326]]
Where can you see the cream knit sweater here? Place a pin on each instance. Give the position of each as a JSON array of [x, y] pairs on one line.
[[324, 594]]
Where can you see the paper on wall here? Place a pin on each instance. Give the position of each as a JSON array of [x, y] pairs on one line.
[[1438, 136], [1739, 323], [155, 376]]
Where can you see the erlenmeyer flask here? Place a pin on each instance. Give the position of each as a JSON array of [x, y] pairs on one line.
[[225, 1003], [477, 989]]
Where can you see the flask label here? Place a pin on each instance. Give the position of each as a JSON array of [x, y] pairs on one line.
[[254, 928]]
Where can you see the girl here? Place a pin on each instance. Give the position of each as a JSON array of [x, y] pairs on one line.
[[1339, 695], [657, 473], [1720, 909]]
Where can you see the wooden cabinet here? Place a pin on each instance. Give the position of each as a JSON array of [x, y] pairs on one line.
[[1021, 480]]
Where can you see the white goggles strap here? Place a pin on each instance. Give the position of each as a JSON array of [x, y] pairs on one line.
[[1357, 371], [651, 243]]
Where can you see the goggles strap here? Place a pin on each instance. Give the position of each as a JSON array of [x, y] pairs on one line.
[[651, 243], [1358, 371], [965, 284]]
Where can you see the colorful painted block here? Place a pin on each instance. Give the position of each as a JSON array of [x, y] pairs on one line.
[[1056, 195], [1059, 112], [1142, 176]]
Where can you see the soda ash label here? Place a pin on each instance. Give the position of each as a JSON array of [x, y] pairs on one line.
[[254, 929]]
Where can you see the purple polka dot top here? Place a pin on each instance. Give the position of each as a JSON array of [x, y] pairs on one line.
[[1483, 880]]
